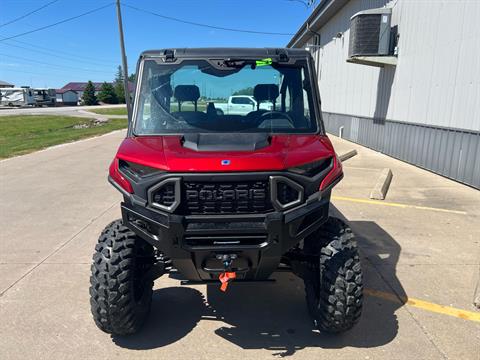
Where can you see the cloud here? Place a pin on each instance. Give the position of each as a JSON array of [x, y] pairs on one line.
[[11, 64]]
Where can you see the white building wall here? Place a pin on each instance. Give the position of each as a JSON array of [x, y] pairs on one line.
[[70, 97], [426, 109], [437, 78]]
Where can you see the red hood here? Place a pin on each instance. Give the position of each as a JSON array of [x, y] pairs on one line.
[[167, 153]]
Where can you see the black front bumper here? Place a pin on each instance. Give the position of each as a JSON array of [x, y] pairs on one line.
[[258, 241]]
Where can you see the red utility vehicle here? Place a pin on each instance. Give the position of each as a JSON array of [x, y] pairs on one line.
[[225, 198]]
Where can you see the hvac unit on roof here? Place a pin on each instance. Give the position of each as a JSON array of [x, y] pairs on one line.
[[370, 33]]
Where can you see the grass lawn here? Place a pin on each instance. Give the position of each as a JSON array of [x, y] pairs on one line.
[[24, 134], [110, 111]]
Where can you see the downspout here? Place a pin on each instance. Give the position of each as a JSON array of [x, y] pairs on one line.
[[317, 55]]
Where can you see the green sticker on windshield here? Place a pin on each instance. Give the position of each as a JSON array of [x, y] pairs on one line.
[[264, 62]]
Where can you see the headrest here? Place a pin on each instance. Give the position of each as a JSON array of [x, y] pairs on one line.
[[161, 85], [263, 92], [186, 92]]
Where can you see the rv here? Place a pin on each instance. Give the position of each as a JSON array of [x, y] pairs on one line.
[[17, 97], [44, 96]]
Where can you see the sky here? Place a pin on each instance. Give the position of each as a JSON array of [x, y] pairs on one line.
[[87, 48], [221, 87]]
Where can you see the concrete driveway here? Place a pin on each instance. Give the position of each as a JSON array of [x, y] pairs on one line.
[[420, 250], [81, 111]]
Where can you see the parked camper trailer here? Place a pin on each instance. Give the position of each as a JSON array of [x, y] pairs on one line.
[[17, 97]]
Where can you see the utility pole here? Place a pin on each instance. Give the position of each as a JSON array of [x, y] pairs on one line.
[[124, 62]]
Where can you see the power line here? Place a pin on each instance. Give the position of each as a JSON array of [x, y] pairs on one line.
[[53, 65], [204, 25], [28, 14], [47, 76], [58, 22], [55, 52], [299, 1], [44, 76]]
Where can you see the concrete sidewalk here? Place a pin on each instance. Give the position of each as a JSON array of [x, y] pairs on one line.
[[55, 202]]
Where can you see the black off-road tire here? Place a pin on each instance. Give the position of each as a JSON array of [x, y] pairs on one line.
[[333, 284], [120, 294]]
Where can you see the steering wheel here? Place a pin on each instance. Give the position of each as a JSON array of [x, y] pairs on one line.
[[275, 115]]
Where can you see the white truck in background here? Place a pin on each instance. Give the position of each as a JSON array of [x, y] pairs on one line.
[[241, 105]]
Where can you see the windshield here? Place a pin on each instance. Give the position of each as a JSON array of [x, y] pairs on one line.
[[197, 96]]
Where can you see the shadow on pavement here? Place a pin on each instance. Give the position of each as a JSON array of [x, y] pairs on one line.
[[274, 316], [175, 312]]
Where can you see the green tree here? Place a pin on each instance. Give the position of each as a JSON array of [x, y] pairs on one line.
[[246, 91], [88, 96], [119, 74], [107, 94], [132, 77], [118, 85], [119, 92]]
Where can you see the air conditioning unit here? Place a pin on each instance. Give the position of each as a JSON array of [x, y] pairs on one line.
[[370, 33]]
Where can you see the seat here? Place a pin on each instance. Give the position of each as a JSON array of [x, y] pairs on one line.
[[263, 92], [188, 93], [211, 110]]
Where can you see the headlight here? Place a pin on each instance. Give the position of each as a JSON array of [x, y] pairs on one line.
[[313, 168], [137, 170], [118, 179]]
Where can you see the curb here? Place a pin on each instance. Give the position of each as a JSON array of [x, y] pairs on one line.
[[476, 295], [347, 155], [379, 191]]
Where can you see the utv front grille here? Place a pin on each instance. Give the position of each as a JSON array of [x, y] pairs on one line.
[[286, 194], [165, 195], [245, 197]]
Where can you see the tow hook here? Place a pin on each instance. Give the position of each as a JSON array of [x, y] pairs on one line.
[[227, 276]]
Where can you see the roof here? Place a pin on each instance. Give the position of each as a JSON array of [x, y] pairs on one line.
[[4, 83], [63, 91], [80, 86], [228, 52], [17, 88], [324, 11]]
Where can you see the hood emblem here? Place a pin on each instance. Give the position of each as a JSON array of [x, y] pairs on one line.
[[225, 162]]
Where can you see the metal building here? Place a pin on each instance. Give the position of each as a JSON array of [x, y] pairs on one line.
[[421, 103]]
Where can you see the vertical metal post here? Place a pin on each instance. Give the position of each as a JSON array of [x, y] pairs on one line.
[[124, 62]]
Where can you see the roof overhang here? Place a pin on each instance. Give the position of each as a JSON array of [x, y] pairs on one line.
[[320, 16]]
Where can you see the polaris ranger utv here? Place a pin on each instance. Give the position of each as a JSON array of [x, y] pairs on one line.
[[225, 198]]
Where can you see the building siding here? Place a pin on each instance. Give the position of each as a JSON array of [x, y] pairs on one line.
[[450, 152], [425, 110], [70, 97]]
